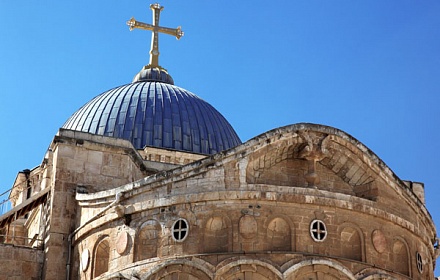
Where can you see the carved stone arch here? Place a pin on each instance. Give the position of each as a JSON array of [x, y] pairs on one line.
[[247, 269], [181, 269], [101, 256], [346, 164], [280, 233], [319, 269], [374, 273], [274, 162], [307, 155], [148, 238], [217, 237], [378, 276], [401, 256], [352, 242]]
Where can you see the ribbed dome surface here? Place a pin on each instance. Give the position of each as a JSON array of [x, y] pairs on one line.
[[156, 114]]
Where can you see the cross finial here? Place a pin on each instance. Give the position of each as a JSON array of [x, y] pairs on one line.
[[154, 51]]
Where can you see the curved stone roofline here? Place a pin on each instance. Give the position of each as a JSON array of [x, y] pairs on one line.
[[266, 138], [248, 151], [259, 142], [328, 130], [318, 128]]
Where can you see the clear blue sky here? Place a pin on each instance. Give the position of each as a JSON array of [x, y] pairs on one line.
[[370, 68]]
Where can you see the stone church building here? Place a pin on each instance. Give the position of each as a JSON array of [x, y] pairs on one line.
[[149, 181]]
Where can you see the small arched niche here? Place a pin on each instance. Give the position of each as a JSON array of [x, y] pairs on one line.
[[148, 239], [279, 235], [400, 257], [216, 235], [351, 244]]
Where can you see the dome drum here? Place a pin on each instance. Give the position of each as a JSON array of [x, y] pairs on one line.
[[156, 74]]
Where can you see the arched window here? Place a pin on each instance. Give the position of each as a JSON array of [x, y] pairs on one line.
[[216, 238], [319, 271], [278, 235], [351, 244], [147, 240], [400, 257], [102, 257]]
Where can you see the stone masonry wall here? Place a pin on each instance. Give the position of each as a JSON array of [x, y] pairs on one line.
[[20, 263], [251, 215], [82, 163]]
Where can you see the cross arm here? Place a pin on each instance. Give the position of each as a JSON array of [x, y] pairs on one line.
[[177, 32], [133, 23]]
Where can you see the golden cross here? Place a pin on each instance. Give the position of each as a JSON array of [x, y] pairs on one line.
[[154, 52]]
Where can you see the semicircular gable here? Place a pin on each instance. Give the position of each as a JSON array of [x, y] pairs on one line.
[[310, 155]]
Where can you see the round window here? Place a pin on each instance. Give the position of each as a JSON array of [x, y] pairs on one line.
[[419, 262], [318, 231], [180, 230]]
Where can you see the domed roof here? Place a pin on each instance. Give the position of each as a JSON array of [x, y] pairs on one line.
[[151, 111], [158, 114]]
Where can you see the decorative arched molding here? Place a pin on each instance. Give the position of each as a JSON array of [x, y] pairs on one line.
[[304, 157], [282, 153], [217, 235], [291, 225], [374, 274], [378, 276], [101, 256], [401, 259], [343, 150], [225, 269], [342, 231], [291, 272], [278, 235], [197, 267], [148, 239]]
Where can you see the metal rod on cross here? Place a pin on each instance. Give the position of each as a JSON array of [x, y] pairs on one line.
[[156, 28]]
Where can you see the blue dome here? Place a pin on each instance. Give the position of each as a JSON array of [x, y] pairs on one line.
[[157, 114]]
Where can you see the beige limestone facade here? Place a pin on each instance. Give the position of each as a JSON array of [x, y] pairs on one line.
[[303, 201]]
